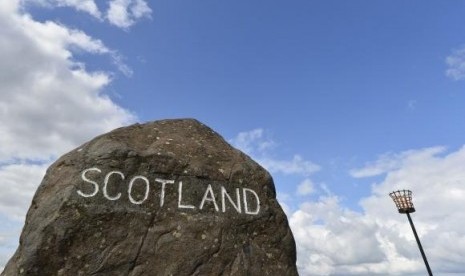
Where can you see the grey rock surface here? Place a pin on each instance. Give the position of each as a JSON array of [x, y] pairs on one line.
[[169, 197]]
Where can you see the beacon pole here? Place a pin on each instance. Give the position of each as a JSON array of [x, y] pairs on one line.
[[404, 204]]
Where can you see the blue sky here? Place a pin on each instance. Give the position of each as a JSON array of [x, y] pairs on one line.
[[342, 101]]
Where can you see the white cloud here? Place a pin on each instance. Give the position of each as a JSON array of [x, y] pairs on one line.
[[389, 161], [8, 240], [124, 13], [45, 93], [118, 60], [19, 182], [120, 13], [297, 165], [332, 240], [259, 146], [49, 103], [253, 142], [87, 6], [305, 187], [9, 6], [456, 64]]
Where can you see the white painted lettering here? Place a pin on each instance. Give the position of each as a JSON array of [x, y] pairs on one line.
[[225, 194], [211, 198], [105, 185], [84, 177], [249, 204], [162, 193], [147, 188], [180, 205], [246, 206]]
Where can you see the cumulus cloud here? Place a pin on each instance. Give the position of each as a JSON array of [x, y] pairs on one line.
[[306, 187], [45, 93], [253, 141], [19, 182], [333, 240], [124, 13], [456, 64], [87, 6], [259, 146], [120, 13], [390, 161], [297, 165], [49, 103]]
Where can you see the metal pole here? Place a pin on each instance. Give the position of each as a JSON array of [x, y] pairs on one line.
[[419, 245]]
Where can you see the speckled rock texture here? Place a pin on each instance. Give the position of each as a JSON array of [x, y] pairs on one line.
[[169, 197]]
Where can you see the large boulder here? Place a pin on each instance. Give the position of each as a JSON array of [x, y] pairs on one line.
[[163, 198]]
